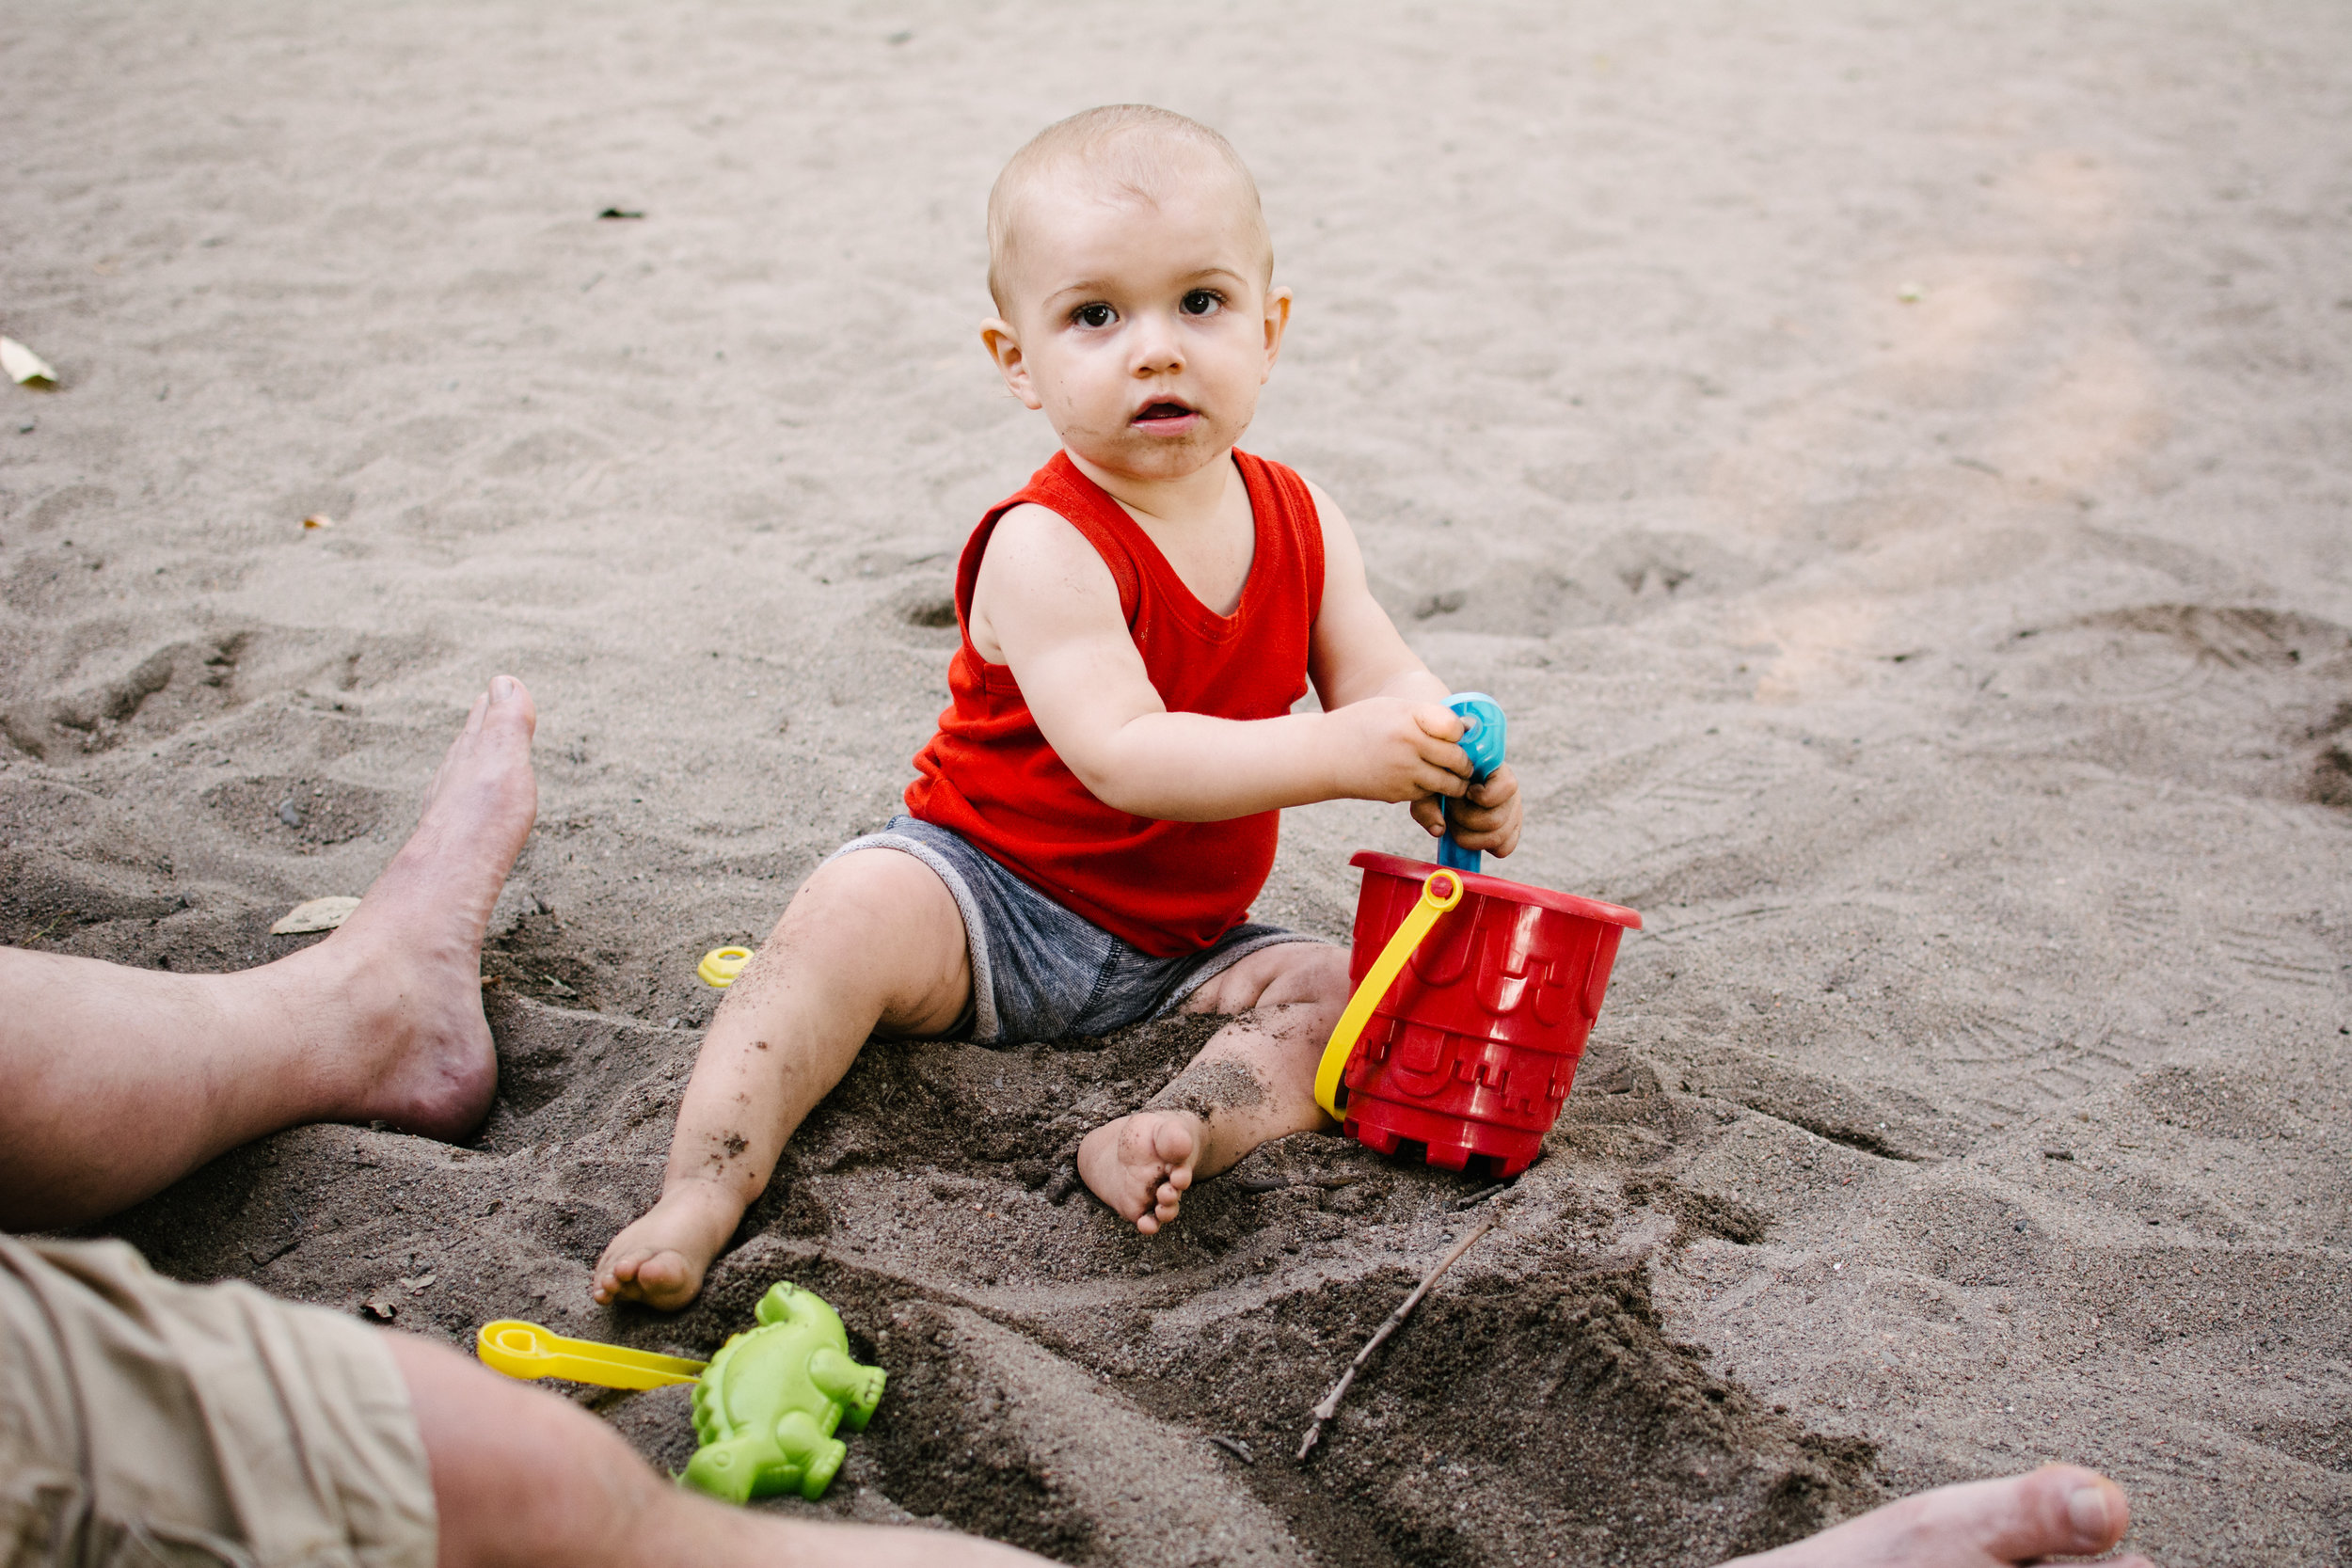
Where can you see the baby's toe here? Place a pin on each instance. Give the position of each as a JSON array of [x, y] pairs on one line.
[[665, 1280], [1172, 1142]]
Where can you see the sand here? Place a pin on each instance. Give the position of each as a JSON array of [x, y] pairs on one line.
[[1892, 467]]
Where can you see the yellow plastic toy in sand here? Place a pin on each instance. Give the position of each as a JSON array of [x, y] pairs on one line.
[[527, 1351], [721, 966], [1440, 891]]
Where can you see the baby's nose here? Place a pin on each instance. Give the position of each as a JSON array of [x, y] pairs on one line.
[[1157, 347]]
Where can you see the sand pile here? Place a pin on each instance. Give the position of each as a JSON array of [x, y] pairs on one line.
[[1893, 469]]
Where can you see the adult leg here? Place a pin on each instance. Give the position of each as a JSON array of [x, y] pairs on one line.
[[115, 1082], [522, 1478], [873, 943], [1254, 1080], [2058, 1510]]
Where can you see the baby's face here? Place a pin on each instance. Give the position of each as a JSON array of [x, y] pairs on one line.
[[1143, 329]]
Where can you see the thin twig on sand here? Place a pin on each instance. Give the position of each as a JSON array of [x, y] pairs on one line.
[[1478, 1198], [1330, 1405]]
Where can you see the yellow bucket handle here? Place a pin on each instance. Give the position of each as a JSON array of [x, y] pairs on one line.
[[1378, 978], [527, 1351]]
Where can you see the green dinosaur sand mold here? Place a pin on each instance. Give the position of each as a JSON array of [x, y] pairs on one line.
[[766, 1407]]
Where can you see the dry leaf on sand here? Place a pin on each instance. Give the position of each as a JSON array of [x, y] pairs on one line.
[[319, 914], [25, 366]]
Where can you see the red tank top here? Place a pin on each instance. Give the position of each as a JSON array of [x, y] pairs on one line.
[[1171, 888]]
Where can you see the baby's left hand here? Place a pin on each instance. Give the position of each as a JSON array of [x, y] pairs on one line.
[[1487, 820]]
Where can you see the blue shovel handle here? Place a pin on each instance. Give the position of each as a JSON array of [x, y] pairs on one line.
[[1484, 741]]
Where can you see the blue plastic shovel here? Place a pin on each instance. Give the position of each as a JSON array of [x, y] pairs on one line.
[[1484, 741]]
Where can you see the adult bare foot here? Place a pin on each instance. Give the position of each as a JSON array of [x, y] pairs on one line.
[[660, 1257], [417, 1053], [120, 1081], [1140, 1164], [2058, 1510]]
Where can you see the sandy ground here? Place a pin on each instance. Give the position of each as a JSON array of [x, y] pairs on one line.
[[1894, 468]]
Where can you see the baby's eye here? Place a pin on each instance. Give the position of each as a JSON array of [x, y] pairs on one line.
[[1095, 315], [1202, 302]]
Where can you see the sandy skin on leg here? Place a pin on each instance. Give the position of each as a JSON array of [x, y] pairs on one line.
[[120, 1081], [1253, 1082], [872, 944], [2058, 1510]]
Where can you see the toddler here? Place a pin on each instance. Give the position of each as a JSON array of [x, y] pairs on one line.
[[1100, 805]]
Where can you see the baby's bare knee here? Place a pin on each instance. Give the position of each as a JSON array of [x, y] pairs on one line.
[[867, 889], [1312, 973], [880, 925], [1330, 973], [1289, 974]]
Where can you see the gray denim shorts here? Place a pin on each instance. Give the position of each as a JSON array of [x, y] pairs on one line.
[[1041, 973]]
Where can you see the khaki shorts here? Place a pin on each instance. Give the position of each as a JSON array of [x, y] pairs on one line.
[[143, 1422]]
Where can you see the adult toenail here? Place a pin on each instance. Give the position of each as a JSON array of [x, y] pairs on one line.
[[502, 688], [2087, 1510]]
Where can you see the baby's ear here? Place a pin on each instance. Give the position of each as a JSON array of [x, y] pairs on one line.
[[1277, 320], [1004, 347]]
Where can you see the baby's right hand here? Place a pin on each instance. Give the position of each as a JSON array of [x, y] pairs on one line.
[[1388, 749]]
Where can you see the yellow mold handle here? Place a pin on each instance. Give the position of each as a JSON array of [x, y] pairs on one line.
[[1440, 891], [723, 966], [527, 1351]]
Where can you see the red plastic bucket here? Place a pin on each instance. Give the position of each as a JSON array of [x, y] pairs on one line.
[[1471, 1053]]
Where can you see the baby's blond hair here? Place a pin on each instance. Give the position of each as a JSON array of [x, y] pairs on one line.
[[1136, 150]]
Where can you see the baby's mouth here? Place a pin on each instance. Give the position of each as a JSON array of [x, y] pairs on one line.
[[1163, 413]]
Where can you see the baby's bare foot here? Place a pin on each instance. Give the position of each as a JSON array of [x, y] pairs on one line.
[[660, 1259], [1140, 1164], [409, 961]]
